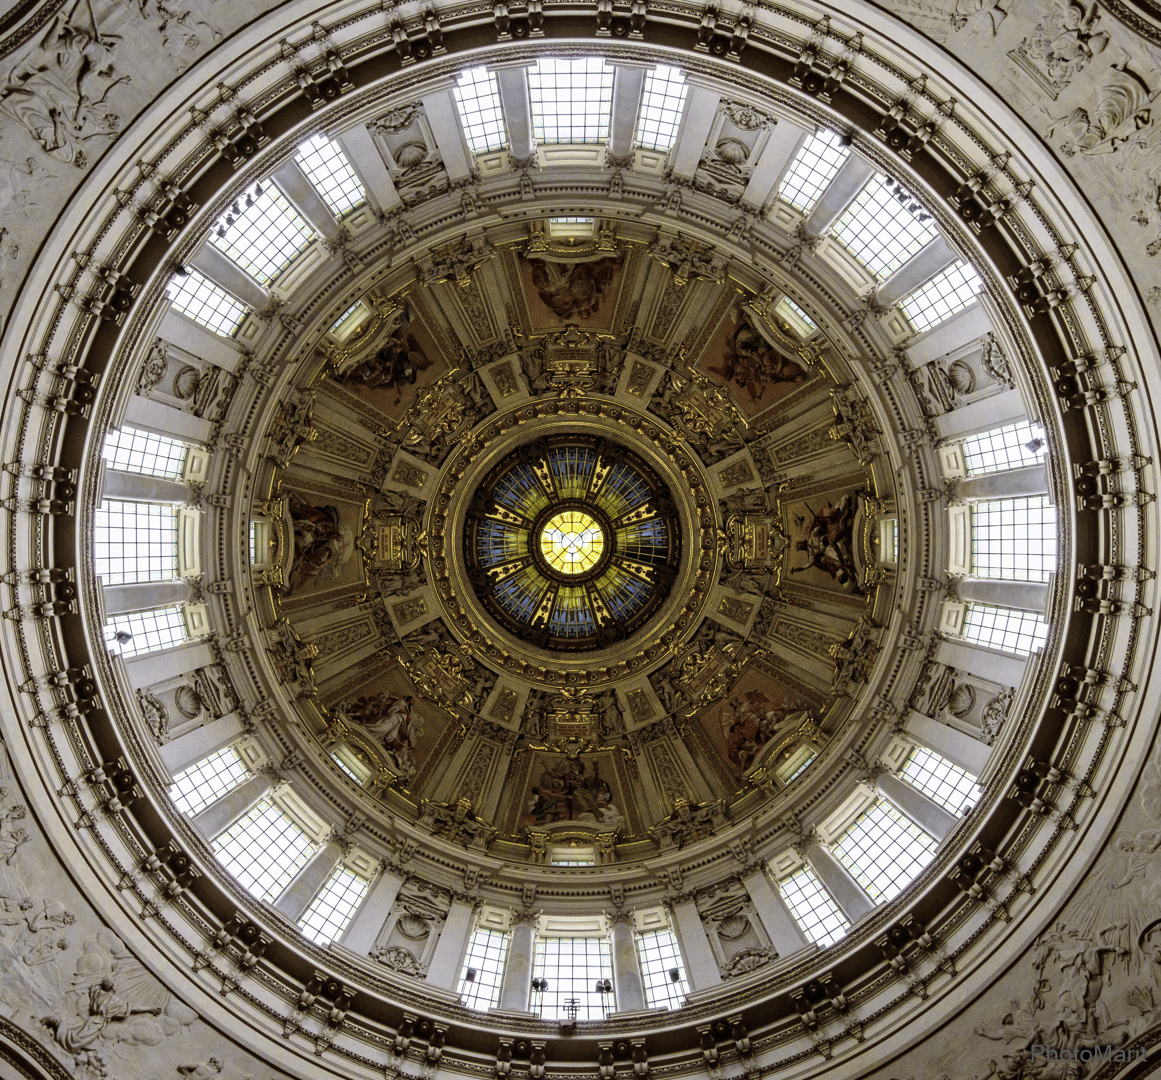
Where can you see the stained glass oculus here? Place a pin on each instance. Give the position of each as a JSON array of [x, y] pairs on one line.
[[572, 542]]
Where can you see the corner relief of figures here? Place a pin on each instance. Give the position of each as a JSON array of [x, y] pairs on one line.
[[390, 360], [1090, 983], [827, 539], [389, 717], [546, 789], [754, 370], [1085, 82], [70, 983]]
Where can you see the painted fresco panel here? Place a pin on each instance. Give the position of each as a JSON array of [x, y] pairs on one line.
[[754, 372], [757, 710]]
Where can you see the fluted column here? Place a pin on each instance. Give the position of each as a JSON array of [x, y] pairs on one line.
[[143, 595], [932, 818], [304, 886], [1010, 484], [784, 933], [517, 985], [628, 84], [216, 818], [928, 261], [197, 745], [365, 927], [700, 963], [847, 183], [998, 592], [444, 968], [630, 989], [844, 890], [517, 106]]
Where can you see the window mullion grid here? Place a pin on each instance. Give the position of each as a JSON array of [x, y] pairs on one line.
[[265, 237], [940, 780], [334, 907], [573, 966], [1014, 539], [1005, 629], [486, 955], [263, 850], [880, 230], [813, 168], [134, 542], [150, 631], [813, 908], [207, 781], [128, 449], [884, 850], [1015, 446], [206, 303], [658, 954]]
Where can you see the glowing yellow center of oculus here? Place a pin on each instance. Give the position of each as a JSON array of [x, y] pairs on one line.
[[572, 542]]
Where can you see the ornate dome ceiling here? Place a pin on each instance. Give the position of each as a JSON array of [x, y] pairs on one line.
[[574, 535]]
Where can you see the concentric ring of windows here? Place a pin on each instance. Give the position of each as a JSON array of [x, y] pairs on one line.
[[572, 543]]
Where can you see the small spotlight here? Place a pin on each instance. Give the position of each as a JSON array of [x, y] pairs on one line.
[[846, 138], [122, 637], [675, 974], [1035, 446], [470, 975]]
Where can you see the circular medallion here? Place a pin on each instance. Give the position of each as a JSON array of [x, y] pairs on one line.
[[572, 542]]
